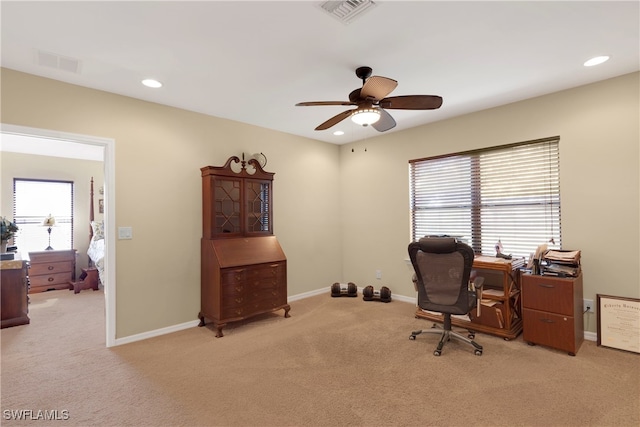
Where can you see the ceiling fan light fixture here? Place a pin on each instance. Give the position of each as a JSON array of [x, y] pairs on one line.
[[365, 116]]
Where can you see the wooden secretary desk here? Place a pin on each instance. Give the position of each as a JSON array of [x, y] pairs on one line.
[[243, 267]]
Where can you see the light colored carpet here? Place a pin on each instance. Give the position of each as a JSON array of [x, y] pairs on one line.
[[335, 362]]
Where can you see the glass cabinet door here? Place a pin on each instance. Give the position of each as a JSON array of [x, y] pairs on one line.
[[227, 206], [258, 207]]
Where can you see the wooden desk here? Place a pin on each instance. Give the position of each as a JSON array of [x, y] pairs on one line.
[[242, 278], [502, 287]]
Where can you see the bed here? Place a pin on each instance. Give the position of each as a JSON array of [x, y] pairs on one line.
[[96, 250]]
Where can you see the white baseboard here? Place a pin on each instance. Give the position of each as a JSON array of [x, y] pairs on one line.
[[589, 336], [307, 294], [156, 333]]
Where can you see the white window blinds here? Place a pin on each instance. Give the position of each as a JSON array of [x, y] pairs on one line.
[[33, 201], [509, 194]]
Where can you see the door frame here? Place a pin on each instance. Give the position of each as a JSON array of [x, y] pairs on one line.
[[109, 147]]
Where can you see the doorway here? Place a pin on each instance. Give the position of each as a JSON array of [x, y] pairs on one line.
[[41, 141]]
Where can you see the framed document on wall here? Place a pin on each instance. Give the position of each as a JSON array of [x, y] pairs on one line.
[[619, 322]]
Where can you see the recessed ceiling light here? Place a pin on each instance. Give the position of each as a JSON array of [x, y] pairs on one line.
[[596, 60], [152, 83], [338, 133]]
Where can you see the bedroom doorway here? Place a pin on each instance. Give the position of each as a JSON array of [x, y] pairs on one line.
[[41, 142]]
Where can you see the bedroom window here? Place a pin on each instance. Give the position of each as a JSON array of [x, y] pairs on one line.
[[33, 201], [509, 194]]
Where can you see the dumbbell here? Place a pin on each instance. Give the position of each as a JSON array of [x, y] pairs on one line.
[[342, 289], [369, 294]]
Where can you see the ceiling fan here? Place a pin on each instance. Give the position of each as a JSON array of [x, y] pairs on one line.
[[371, 103]]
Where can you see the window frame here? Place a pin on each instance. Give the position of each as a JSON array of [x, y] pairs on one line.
[[466, 206], [67, 222]]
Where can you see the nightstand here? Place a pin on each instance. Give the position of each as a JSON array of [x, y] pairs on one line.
[[51, 270]]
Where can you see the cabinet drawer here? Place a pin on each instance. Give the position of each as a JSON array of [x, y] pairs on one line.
[[50, 279], [230, 276], [553, 330], [231, 312], [235, 301], [51, 268], [269, 301], [548, 294]]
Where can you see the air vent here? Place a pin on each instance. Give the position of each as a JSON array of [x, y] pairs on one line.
[[346, 11], [51, 60]]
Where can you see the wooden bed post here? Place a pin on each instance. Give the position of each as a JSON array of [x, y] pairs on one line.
[[89, 278]]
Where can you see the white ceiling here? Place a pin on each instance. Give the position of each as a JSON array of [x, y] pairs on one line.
[[44, 146], [253, 61]]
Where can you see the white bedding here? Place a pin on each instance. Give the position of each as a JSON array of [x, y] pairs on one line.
[[96, 253]]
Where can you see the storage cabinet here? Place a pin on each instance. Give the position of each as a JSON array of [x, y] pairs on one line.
[[552, 312], [236, 204], [501, 316], [51, 270], [243, 267], [14, 298]]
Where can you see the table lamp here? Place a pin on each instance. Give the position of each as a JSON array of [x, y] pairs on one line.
[[49, 222]]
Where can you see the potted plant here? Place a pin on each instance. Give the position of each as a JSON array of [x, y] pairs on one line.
[[7, 231]]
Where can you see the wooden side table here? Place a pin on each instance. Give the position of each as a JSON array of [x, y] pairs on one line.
[[88, 280]]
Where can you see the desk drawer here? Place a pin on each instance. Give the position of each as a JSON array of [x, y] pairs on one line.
[[50, 268]]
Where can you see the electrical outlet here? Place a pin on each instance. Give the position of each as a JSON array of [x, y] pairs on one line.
[[587, 306], [378, 274]]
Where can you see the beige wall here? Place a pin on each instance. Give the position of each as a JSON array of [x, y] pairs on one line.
[[339, 214], [18, 165], [159, 151], [598, 127]]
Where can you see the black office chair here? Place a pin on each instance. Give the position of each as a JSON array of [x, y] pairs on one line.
[[442, 271]]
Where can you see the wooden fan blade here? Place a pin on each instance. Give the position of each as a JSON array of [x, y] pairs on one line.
[[412, 102], [314, 103], [385, 123], [378, 87], [334, 120]]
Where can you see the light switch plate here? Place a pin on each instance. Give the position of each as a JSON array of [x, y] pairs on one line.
[[125, 233]]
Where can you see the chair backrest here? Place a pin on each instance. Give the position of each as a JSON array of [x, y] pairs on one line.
[[442, 267]]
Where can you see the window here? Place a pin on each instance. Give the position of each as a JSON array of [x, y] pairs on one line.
[[33, 201], [509, 194]]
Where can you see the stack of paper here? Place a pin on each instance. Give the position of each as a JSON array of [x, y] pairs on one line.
[[563, 257], [562, 263]]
